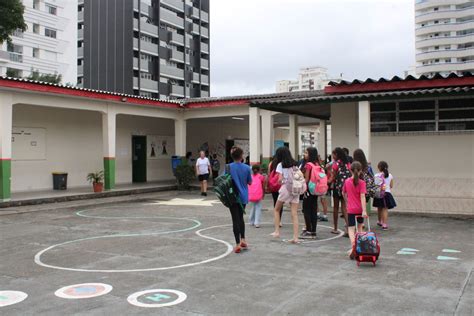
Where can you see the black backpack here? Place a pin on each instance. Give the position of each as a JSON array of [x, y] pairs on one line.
[[342, 174], [225, 190]]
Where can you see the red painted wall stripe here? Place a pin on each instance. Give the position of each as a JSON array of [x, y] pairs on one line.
[[83, 93], [2, 159], [399, 85]]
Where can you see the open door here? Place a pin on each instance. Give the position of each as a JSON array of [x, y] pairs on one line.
[[139, 158]]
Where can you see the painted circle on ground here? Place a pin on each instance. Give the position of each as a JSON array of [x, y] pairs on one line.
[[84, 290], [157, 298], [11, 297], [229, 249]]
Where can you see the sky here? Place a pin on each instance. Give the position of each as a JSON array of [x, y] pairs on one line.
[[254, 43]]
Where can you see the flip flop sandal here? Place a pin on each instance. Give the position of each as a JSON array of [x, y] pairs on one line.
[[335, 232]]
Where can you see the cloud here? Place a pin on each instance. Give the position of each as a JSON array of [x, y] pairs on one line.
[[254, 43]]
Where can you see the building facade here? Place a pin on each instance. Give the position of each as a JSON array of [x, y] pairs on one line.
[[444, 32], [47, 46], [151, 48], [309, 78]]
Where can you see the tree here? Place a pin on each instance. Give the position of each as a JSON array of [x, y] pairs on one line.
[[11, 13], [52, 78]]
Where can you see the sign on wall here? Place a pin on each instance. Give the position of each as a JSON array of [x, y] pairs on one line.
[[160, 147], [28, 143]]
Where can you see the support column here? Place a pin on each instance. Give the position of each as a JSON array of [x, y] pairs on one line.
[[267, 136], [108, 141], [254, 135], [364, 127], [293, 138], [180, 137], [323, 140], [5, 146]]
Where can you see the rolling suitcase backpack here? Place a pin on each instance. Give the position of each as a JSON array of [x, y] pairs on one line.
[[366, 247]]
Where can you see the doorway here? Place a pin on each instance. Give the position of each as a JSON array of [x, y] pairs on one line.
[[139, 150]]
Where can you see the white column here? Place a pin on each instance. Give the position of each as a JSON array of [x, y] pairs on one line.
[[322, 142], [267, 135], [180, 137], [293, 138], [364, 127], [108, 147], [254, 135]]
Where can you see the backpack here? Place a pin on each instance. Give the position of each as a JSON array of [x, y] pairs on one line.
[[216, 165], [273, 182], [225, 189], [318, 181], [295, 183], [370, 184], [342, 174], [379, 182]]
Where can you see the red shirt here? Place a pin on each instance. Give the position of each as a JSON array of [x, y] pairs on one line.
[[354, 204]]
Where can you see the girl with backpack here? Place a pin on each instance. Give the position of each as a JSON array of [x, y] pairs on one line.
[[292, 186], [354, 193], [386, 201], [310, 199], [340, 171], [365, 174], [256, 194], [273, 183], [241, 178]]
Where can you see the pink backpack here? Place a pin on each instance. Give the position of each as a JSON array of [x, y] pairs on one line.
[[318, 181], [273, 183]]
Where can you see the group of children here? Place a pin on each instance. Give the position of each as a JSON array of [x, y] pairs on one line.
[[350, 180]]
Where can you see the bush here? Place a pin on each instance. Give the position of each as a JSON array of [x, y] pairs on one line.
[[184, 176]]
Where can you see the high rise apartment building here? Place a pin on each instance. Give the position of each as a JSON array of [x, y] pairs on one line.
[[152, 48], [48, 46], [444, 32], [309, 78]]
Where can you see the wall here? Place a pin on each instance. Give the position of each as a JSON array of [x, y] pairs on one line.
[[127, 125], [73, 145], [344, 126]]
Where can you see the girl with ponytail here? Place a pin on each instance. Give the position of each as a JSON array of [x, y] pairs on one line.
[[386, 202], [354, 191]]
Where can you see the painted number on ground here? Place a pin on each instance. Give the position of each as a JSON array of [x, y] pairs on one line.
[[157, 298]]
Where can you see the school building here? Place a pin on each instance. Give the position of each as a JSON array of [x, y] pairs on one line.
[[423, 127]]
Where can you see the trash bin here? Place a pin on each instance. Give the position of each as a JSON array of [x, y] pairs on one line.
[[175, 162], [59, 180]]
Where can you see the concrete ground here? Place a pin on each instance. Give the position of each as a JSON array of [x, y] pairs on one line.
[[136, 243]]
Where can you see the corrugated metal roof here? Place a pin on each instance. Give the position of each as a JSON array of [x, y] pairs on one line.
[[251, 97], [397, 79], [371, 95]]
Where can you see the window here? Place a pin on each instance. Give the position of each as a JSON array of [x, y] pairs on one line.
[[36, 52], [36, 4], [447, 60], [13, 48], [36, 28], [50, 33], [15, 73], [423, 116], [436, 47], [52, 10], [18, 33]]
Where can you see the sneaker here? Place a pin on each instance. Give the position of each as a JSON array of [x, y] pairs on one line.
[[257, 226], [243, 245], [204, 194], [305, 234], [313, 235], [237, 249], [379, 223], [323, 218]]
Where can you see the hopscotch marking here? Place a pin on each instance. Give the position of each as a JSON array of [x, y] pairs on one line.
[[84, 290], [159, 295], [450, 251], [407, 251], [444, 258], [11, 297]]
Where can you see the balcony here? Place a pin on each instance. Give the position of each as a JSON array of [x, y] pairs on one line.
[[144, 8], [204, 16], [80, 16], [145, 27], [463, 66], [204, 31], [177, 56], [172, 72], [445, 53], [195, 29], [171, 18], [177, 90], [444, 28], [147, 47], [4, 56], [204, 47], [148, 84], [195, 13], [15, 57], [205, 79], [177, 38], [204, 63], [80, 34], [204, 94], [175, 4], [80, 70], [195, 77]]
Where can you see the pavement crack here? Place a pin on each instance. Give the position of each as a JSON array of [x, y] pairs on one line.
[[466, 282]]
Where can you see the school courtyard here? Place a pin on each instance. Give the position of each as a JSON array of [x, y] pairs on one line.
[[170, 253]]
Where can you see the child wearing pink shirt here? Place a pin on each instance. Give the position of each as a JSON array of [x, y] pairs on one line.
[[354, 191], [256, 193]]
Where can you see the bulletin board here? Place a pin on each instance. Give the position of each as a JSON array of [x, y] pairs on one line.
[[28, 143], [160, 147]]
